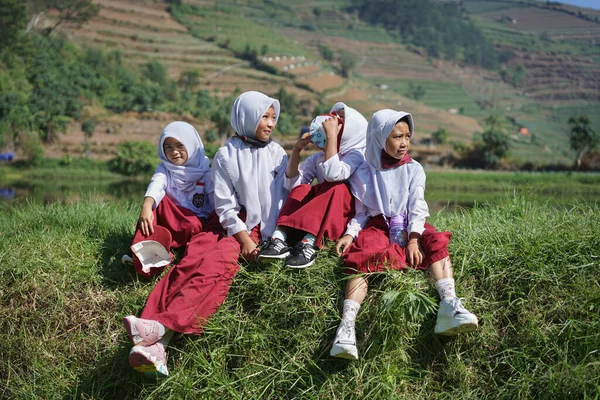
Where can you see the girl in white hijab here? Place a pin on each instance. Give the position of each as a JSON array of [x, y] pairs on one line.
[[390, 205], [249, 171], [179, 193], [322, 210]]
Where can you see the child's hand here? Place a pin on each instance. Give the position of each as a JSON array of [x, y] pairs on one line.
[[249, 250], [343, 244], [145, 221], [414, 256], [332, 128], [302, 142]]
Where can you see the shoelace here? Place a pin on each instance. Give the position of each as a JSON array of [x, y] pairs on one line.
[[345, 332], [305, 249], [278, 245], [457, 305]]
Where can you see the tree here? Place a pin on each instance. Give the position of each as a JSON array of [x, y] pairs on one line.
[[582, 137], [347, 63], [76, 12], [415, 91], [13, 19], [440, 136]]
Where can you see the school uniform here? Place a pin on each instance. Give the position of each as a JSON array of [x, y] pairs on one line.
[[324, 209], [182, 194], [385, 188]]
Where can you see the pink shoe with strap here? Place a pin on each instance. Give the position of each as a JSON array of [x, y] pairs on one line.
[[143, 331]]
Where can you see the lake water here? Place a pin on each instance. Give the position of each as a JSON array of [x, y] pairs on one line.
[[449, 196]]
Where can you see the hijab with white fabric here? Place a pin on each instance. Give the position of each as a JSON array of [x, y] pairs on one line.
[[355, 128], [249, 175], [184, 176], [386, 190]]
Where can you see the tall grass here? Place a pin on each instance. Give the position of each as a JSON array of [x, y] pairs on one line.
[[529, 271]]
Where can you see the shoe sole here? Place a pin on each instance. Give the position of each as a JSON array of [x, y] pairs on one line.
[[278, 257], [339, 351], [301, 266], [464, 328], [141, 363]]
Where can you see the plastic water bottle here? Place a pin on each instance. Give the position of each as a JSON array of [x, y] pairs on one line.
[[398, 225]]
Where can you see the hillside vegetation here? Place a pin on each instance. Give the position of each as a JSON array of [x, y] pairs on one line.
[[543, 67]]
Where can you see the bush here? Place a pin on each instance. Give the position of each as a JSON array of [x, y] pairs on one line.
[[134, 158], [88, 126]]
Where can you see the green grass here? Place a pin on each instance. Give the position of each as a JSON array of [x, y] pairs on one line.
[[529, 272]]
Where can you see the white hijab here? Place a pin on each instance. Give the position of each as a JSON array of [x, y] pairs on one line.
[[184, 176], [247, 111], [355, 129], [254, 170], [385, 190]]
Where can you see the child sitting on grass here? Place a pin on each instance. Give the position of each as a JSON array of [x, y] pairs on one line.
[[248, 174], [178, 197], [322, 210], [389, 229]]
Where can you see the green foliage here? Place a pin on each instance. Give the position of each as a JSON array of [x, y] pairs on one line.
[[415, 91], [76, 12], [582, 136], [326, 52], [494, 146], [13, 19], [32, 148], [439, 27], [134, 158], [88, 126], [527, 270], [347, 62], [441, 136], [155, 72], [211, 135]]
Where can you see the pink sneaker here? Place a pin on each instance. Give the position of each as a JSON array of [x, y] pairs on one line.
[[149, 359], [143, 331]]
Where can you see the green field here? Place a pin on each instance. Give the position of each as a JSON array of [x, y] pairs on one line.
[[526, 270]]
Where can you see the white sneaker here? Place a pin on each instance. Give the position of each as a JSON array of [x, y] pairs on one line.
[[344, 344], [453, 318], [127, 260]]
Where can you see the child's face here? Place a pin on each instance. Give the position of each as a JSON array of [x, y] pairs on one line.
[[266, 125], [175, 151], [398, 141]]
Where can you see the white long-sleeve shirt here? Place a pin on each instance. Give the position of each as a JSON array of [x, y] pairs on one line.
[[406, 195], [199, 199], [251, 177], [336, 169]]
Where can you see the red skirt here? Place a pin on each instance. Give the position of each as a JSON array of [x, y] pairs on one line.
[[181, 222], [194, 289], [322, 210], [372, 251]]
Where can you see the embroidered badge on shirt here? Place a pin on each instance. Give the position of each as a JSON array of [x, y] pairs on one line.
[[198, 200]]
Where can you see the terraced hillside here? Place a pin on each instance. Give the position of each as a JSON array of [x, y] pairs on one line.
[[551, 64]]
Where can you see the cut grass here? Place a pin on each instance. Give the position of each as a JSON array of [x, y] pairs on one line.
[[529, 272]]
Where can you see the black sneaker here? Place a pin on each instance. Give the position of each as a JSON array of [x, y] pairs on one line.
[[302, 255], [274, 249]]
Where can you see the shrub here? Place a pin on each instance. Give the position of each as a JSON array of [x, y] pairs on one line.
[[134, 158], [88, 126]]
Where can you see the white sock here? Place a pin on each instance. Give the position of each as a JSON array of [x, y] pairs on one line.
[[350, 311], [310, 239], [279, 234], [445, 288]]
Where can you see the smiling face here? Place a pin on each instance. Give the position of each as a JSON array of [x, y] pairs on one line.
[[175, 151], [266, 125], [398, 141]]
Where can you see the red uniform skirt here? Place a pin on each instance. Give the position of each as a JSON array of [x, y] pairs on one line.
[[194, 289], [372, 251], [181, 222], [322, 210]]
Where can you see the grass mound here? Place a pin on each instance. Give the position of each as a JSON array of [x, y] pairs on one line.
[[530, 272]]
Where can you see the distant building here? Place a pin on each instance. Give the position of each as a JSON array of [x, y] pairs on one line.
[[524, 131]]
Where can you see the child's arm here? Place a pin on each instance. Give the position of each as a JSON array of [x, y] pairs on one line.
[[146, 216], [294, 161], [225, 200], [418, 211], [354, 227], [332, 129], [307, 172], [338, 169], [249, 249]]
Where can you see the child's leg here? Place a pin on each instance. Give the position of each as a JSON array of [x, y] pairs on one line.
[[344, 344], [452, 317]]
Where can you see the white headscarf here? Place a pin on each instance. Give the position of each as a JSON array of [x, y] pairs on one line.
[[355, 129], [256, 173], [184, 176], [247, 111], [385, 190]]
